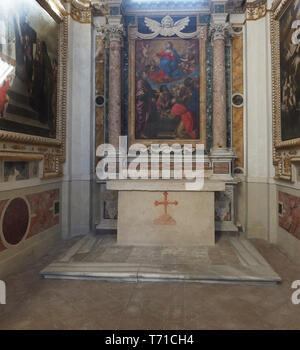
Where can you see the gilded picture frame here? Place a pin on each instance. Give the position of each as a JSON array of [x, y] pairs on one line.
[[286, 150], [201, 38], [51, 151]]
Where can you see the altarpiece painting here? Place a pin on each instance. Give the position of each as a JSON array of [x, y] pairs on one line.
[[167, 88]]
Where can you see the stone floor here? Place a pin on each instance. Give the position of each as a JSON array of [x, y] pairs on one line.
[[36, 303]]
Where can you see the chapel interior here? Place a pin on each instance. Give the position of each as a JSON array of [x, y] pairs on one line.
[[98, 229]]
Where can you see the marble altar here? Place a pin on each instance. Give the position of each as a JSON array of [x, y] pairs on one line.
[[164, 212]]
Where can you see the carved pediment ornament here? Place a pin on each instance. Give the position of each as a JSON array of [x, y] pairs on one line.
[[167, 27]]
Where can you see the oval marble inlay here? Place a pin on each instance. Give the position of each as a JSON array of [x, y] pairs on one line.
[[237, 100], [100, 100], [15, 221]]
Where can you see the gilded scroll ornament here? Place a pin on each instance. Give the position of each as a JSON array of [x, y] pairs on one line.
[[81, 11], [256, 10]]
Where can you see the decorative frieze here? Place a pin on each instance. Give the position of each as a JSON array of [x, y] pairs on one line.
[[160, 7]]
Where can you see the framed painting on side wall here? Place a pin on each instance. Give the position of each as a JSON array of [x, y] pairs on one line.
[[33, 46], [285, 42]]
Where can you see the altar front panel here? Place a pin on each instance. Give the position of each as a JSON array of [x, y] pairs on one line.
[[188, 219]]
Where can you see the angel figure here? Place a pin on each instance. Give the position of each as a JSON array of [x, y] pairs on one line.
[[167, 27]]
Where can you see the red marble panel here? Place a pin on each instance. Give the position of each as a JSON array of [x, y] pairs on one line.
[[42, 211], [290, 217], [221, 168]]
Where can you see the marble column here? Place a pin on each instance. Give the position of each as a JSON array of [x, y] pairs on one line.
[[114, 118], [218, 33]]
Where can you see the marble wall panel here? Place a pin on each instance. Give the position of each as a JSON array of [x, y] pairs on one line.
[[289, 213], [41, 209], [237, 87], [99, 90]]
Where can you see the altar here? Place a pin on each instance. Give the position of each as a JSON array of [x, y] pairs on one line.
[[165, 212], [168, 83]]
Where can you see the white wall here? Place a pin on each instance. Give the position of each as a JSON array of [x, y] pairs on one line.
[[258, 128], [77, 169], [262, 189]]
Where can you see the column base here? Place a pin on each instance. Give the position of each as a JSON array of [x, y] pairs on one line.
[[222, 163]]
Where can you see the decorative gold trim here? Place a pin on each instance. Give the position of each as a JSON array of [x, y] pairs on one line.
[[283, 151], [202, 37], [54, 8], [23, 144]]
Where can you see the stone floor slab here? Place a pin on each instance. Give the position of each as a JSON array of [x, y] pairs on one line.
[[102, 258]]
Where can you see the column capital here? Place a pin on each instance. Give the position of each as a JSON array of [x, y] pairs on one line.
[[100, 8], [220, 31], [114, 32], [99, 23], [108, 31]]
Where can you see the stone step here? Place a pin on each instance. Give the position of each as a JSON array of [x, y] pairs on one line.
[[168, 273]]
